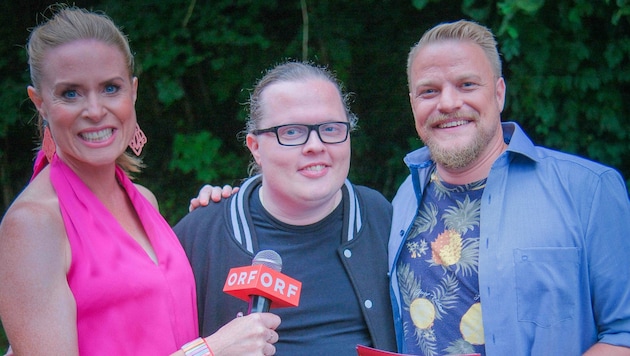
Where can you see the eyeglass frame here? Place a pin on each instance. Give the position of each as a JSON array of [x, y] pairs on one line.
[[314, 127]]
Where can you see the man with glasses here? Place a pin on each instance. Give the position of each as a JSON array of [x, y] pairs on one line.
[[332, 235], [296, 134]]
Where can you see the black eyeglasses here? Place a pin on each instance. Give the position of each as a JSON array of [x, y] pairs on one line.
[[298, 134]]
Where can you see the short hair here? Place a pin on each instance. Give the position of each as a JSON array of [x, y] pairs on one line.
[[461, 30], [291, 71]]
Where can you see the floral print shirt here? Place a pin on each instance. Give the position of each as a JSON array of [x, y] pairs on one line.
[[438, 272]]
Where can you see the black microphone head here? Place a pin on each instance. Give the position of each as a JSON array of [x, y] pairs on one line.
[[268, 258]]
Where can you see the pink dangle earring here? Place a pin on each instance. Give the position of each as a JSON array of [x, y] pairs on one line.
[[138, 141], [48, 144]]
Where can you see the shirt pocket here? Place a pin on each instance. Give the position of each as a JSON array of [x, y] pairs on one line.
[[546, 284]]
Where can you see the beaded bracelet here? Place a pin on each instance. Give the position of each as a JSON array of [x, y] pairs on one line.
[[197, 347]]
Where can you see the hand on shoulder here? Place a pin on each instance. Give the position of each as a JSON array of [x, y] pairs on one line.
[[209, 193]]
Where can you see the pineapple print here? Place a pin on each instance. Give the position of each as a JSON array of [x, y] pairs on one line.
[[447, 248], [422, 313], [426, 306], [450, 248], [437, 272], [471, 325]]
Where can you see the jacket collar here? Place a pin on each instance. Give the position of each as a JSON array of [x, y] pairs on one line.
[[243, 228]]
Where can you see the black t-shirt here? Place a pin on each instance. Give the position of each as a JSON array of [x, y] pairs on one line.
[[328, 315]]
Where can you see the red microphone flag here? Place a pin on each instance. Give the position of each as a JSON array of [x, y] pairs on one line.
[[282, 290]]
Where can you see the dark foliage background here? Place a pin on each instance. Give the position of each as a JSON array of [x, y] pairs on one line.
[[566, 63]]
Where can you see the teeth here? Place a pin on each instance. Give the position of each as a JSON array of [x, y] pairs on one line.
[[315, 168], [98, 135], [453, 124]]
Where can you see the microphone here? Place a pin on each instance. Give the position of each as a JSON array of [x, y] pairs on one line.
[[262, 284], [271, 259]]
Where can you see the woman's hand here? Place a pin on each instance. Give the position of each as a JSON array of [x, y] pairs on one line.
[[253, 334]]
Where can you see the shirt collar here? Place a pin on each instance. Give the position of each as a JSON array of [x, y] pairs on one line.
[[513, 135]]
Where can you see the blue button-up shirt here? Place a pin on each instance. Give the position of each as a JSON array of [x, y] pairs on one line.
[[554, 264]]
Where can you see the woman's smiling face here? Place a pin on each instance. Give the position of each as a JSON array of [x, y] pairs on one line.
[[87, 95]]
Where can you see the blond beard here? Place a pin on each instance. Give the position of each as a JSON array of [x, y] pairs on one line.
[[457, 158]]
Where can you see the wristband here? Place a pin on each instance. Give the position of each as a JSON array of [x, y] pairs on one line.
[[197, 347]]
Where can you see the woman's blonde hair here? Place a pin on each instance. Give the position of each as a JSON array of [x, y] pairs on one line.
[[68, 24]]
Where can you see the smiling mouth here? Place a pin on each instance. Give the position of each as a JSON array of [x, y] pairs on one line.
[[316, 168], [450, 124], [97, 136]]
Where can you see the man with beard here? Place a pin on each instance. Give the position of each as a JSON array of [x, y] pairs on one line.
[[498, 246]]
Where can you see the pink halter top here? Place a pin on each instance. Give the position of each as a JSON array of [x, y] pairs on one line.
[[126, 303]]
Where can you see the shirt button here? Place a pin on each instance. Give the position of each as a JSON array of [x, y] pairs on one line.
[[368, 304], [347, 253]]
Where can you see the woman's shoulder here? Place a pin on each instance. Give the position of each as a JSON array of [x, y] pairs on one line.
[[32, 228], [38, 200], [36, 207], [148, 195]]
